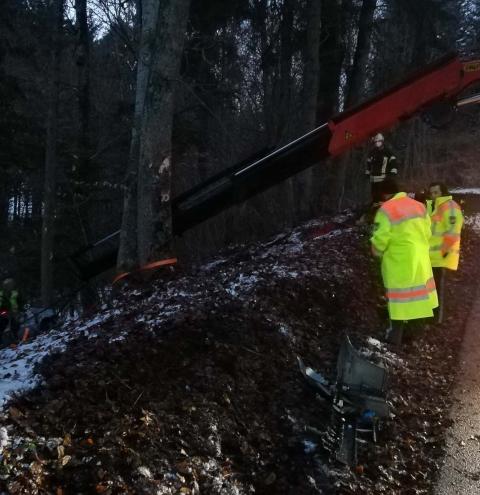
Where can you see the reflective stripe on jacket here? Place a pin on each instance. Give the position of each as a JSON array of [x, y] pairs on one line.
[[401, 237], [447, 223]]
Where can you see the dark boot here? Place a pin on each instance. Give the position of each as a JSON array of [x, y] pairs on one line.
[[439, 276], [395, 332]]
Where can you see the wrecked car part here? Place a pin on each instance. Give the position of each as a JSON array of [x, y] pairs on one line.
[[358, 402]]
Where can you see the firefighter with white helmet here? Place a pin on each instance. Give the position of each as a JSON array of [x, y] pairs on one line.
[[381, 164]]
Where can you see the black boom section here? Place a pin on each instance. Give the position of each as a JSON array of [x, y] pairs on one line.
[[248, 178], [232, 186]]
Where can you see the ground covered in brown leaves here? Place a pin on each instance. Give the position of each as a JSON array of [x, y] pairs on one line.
[[190, 385]]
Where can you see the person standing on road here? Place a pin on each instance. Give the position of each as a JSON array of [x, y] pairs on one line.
[[401, 239], [447, 222], [381, 164]]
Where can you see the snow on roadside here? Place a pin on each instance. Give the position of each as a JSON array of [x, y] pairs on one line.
[[17, 366], [466, 190], [473, 221]]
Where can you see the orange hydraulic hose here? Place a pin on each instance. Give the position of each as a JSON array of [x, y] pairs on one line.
[[148, 266]]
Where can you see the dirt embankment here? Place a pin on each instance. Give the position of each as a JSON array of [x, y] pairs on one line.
[[191, 385]]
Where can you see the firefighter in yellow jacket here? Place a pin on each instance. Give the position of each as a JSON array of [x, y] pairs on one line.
[[401, 238], [447, 223]]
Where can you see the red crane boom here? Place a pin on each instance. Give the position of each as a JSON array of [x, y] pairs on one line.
[[441, 82]]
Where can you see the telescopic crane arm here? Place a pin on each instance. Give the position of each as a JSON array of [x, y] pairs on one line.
[[442, 82]]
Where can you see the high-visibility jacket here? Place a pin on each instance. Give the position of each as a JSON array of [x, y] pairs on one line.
[[447, 223], [401, 238], [11, 303], [429, 207]]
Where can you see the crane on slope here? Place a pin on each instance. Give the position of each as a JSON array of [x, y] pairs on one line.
[[438, 86]]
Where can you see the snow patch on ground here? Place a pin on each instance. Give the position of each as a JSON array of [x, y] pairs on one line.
[[333, 233], [236, 280], [17, 366], [377, 350], [473, 221], [309, 446], [214, 264], [466, 190], [243, 283]]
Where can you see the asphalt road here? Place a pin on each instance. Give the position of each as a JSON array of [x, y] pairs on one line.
[[461, 472]]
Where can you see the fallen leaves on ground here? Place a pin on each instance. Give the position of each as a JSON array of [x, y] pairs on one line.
[[193, 386]]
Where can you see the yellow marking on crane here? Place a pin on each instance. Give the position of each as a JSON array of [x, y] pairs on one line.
[[472, 66]]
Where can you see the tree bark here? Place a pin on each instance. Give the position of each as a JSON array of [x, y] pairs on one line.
[[154, 225], [48, 225], [311, 75], [285, 84], [356, 81], [83, 86], [268, 77], [127, 253], [311, 79], [4, 199], [358, 72], [332, 52]]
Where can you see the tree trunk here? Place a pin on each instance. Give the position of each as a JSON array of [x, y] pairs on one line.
[[82, 61], [356, 81], [284, 199], [127, 253], [268, 77], [284, 99], [311, 79], [88, 214], [48, 226], [332, 52], [311, 74], [358, 71], [83, 83], [36, 186], [4, 203], [154, 227]]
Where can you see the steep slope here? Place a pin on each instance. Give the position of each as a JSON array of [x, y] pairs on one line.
[[189, 384]]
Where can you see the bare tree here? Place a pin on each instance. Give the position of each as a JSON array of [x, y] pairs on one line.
[[48, 226], [82, 60], [311, 73], [127, 254], [163, 32], [358, 72], [311, 82], [355, 87]]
